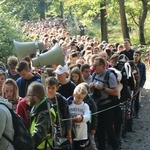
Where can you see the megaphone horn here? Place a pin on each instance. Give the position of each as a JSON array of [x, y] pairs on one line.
[[26, 48], [53, 56]]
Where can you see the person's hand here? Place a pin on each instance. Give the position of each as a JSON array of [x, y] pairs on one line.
[[91, 85], [93, 132], [70, 139], [78, 118], [98, 87]]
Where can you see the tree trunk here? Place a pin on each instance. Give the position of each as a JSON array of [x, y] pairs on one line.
[[41, 9], [104, 35], [124, 25], [61, 9], [142, 21]]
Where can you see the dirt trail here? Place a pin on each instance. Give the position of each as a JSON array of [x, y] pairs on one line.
[[140, 138]]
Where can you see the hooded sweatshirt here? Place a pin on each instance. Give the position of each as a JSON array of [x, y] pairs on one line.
[[6, 125]]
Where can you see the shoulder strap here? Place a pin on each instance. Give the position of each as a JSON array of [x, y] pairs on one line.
[[50, 116], [93, 76], [106, 78], [58, 113]]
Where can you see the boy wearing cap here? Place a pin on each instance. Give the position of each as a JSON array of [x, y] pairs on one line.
[[66, 86]]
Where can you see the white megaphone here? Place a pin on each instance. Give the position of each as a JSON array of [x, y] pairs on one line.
[[53, 56], [26, 48]]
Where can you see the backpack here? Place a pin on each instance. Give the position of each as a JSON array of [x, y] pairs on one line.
[[22, 137], [125, 94], [96, 93]]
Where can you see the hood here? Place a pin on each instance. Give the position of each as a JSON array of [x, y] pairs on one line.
[[6, 102], [70, 99]]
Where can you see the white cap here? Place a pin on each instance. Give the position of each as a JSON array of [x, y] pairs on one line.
[[61, 69]]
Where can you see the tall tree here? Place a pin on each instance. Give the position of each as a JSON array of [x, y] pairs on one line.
[[103, 12], [124, 25], [61, 9], [41, 9], [142, 21]]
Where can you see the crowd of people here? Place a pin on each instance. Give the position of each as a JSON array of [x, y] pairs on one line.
[[95, 96]]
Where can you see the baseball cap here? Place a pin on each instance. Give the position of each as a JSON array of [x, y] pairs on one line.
[[61, 69]]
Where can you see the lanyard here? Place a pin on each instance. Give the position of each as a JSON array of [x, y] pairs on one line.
[[42, 101]]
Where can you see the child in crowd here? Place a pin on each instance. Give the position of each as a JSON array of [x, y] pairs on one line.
[[81, 114], [60, 107], [76, 76], [10, 91], [26, 77], [12, 62]]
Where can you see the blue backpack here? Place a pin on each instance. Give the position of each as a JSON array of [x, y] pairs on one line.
[[22, 137]]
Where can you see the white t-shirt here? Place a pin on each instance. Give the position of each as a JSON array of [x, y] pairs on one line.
[[80, 129]]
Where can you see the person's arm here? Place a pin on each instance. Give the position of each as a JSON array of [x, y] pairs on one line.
[[143, 76], [68, 123], [20, 110], [112, 90], [3, 119], [86, 116]]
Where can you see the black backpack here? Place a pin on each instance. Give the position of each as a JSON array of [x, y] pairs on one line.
[[96, 93], [22, 137]]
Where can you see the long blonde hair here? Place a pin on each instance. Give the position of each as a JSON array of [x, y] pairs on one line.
[[12, 82]]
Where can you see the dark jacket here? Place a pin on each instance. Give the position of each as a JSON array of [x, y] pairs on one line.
[[63, 112], [142, 70], [41, 128], [14, 77], [24, 83], [67, 89], [129, 53]]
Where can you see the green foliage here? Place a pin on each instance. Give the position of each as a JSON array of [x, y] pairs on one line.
[[8, 32], [85, 11]]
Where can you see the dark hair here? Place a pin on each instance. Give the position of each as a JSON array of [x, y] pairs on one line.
[[127, 39], [114, 57], [28, 60], [51, 81], [137, 52], [23, 65], [85, 66], [101, 61], [50, 72]]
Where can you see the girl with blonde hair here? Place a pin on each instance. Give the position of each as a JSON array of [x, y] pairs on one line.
[[10, 92]]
